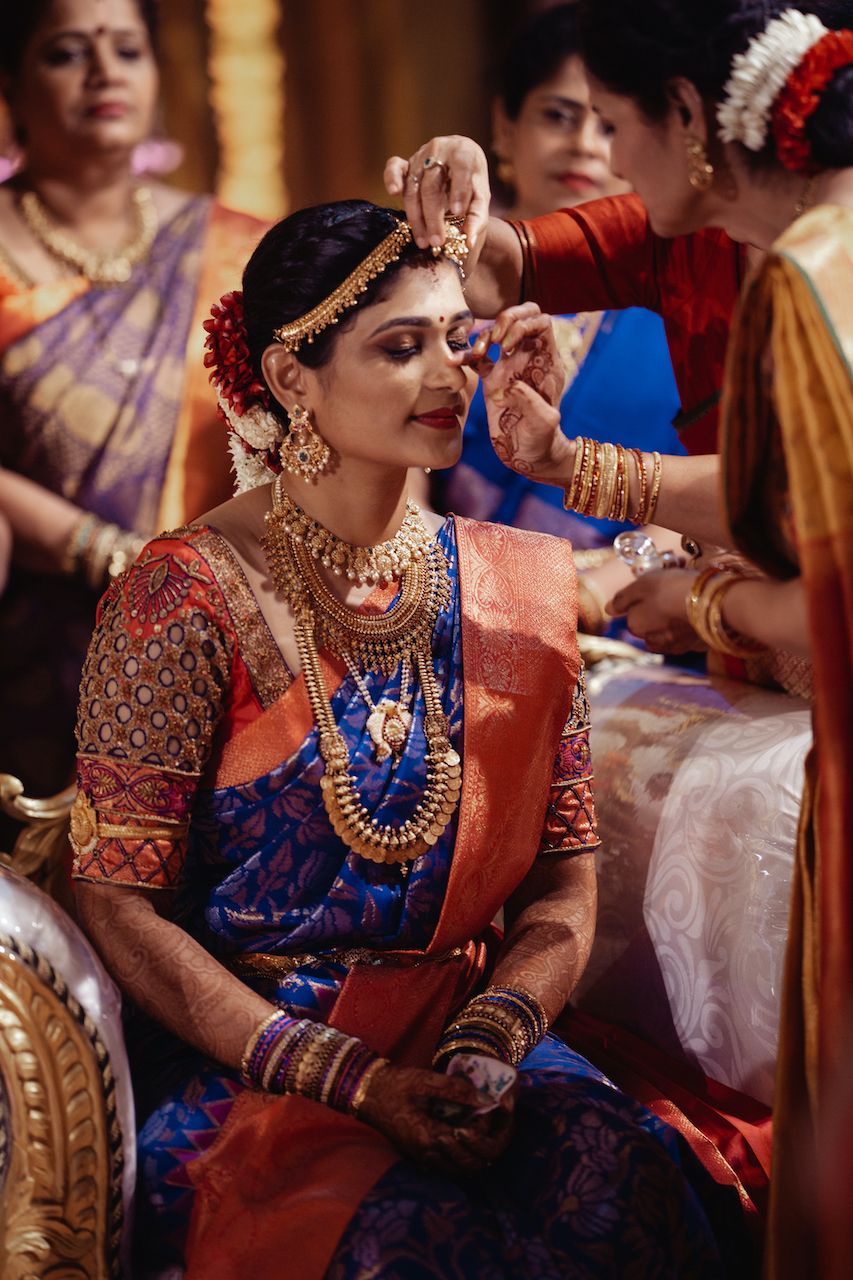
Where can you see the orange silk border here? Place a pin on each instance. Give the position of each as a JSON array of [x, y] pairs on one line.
[[520, 658]]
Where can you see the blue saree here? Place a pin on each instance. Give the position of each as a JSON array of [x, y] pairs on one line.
[[592, 1184]]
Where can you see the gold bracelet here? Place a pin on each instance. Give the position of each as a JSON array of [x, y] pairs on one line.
[[602, 502], [640, 464], [570, 493], [725, 640], [624, 485], [657, 476], [590, 476], [364, 1084]]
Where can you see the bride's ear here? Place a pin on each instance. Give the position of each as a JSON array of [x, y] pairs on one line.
[[284, 375]]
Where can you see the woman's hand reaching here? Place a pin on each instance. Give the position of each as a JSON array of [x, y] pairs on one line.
[[445, 176], [523, 391], [406, 1103]]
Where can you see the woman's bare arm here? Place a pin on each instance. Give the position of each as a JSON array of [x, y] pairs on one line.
[[550, 927], [41, 521], [168, 974]]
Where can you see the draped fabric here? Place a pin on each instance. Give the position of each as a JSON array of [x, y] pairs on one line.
[[623, 391], [189, 716], [604, 255], [791, 396], [105, 401]]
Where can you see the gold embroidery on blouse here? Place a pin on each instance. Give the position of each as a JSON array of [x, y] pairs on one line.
[[264, 661], [156, 699]]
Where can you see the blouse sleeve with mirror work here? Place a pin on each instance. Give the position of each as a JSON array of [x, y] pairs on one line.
[[570, 824], [151, 696]]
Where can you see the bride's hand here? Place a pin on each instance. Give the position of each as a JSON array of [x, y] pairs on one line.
[[523, 392], [455, 181]]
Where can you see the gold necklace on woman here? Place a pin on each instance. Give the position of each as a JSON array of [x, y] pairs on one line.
[[402, 635], [361, 565], [99, 268]]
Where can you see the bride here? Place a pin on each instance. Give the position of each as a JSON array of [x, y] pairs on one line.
[[323, 739]]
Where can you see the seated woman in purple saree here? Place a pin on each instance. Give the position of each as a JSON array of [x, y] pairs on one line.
[[292, 837]]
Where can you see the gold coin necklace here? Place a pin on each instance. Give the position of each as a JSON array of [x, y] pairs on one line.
[[380, 643]]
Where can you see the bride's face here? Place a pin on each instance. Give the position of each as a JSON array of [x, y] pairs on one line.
[[393, 392]]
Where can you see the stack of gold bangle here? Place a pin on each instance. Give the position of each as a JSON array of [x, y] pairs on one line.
[[98, 551], [601, 486], [705, 601]]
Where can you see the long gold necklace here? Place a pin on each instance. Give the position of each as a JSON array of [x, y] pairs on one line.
[[100, 268], [383, 642]]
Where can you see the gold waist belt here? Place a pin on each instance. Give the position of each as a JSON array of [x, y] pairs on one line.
[[261, 964]]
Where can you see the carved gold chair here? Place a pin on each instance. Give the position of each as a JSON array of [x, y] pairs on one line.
[[67, 1157]]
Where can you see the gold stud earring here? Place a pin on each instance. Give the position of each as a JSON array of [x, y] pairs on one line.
[[700, 171], [303, 452]]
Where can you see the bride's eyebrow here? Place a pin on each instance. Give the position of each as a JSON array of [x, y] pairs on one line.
[[419, 322]]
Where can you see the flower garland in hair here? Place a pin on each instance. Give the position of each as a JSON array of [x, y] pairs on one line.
[[759, 75], [799, 98], [244, 401]]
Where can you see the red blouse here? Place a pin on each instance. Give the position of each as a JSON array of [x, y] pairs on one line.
[[604, 255]]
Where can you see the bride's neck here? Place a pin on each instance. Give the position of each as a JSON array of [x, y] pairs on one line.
[[361, 505]]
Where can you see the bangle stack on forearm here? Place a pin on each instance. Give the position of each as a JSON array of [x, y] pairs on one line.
[[295, 1055], [97, 551], [503, 1022], [705, 613], [601, 482]]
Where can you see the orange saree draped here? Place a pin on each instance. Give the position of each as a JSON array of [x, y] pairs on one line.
[[795, 329], [278, 1188]]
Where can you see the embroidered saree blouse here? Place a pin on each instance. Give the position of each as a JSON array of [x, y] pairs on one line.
[[199, 769]]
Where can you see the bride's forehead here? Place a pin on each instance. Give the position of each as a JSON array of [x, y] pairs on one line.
[[432, 287]]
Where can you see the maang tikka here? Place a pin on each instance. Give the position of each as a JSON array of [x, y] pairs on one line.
[[303, 451]]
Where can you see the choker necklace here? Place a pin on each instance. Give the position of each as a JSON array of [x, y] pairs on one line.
[[102, 269], [365, 566], [403, 635]]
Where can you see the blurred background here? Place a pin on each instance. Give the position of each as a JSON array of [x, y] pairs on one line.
[[274, 104]]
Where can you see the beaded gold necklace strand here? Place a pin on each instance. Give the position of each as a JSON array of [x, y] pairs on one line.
[[101, 269], [361, 565], [382, 642]]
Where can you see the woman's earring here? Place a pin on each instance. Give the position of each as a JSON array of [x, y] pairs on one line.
[[505, 173], [700, 171], [302, 451]]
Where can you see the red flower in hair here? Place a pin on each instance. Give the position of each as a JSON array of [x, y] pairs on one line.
[[226, 354], [801, 95]]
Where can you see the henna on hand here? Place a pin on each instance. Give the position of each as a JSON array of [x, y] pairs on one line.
[[398, 1104], [168, 974]]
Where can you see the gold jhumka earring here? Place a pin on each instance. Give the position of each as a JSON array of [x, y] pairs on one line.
[[303, 452], [700, 171]]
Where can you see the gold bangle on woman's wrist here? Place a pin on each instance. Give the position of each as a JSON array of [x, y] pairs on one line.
[[600, 483], [705, 601]]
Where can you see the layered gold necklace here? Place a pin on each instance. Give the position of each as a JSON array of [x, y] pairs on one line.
[[102, 269], [402, 636]]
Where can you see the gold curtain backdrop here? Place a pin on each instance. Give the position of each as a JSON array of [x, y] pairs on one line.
[[282, 103]]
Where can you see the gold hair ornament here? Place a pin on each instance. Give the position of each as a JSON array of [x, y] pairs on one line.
[[329, 311]]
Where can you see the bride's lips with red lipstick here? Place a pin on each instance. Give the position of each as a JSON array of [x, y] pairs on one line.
[[580, 182], [443, 419]]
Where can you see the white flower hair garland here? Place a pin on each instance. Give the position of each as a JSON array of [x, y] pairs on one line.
[[759, 75]]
